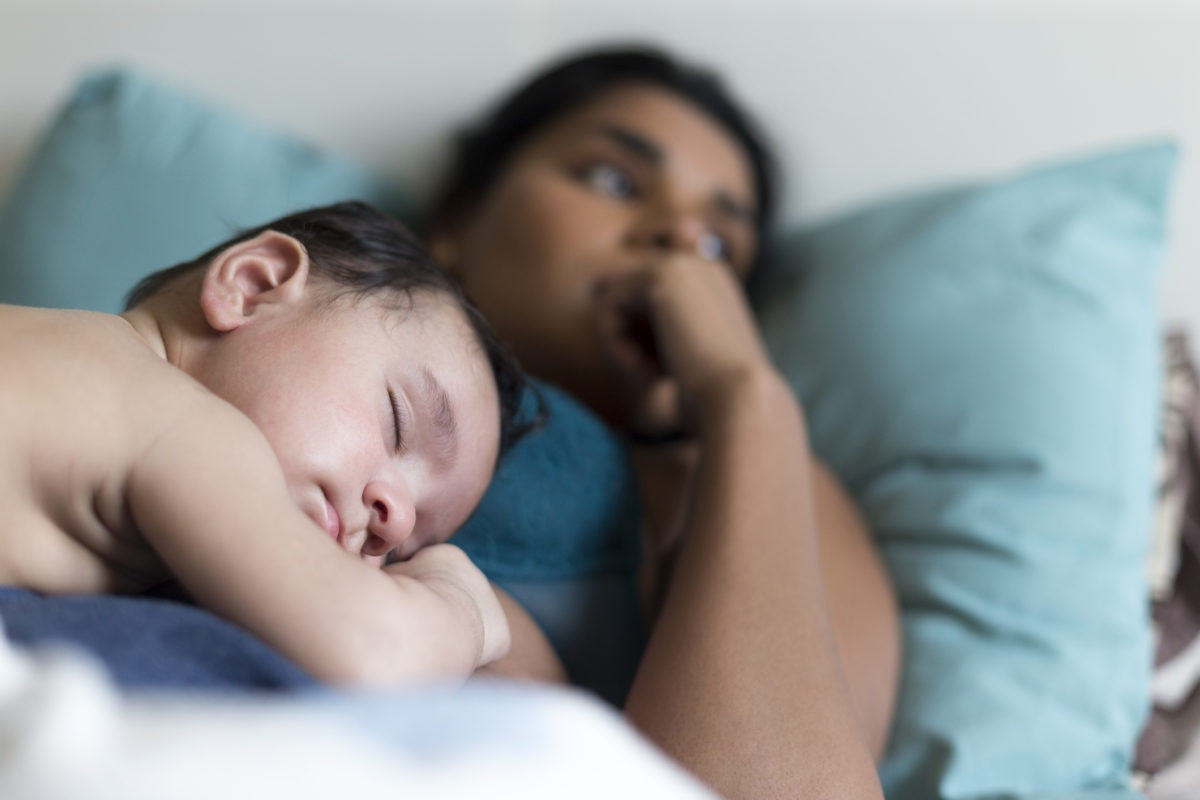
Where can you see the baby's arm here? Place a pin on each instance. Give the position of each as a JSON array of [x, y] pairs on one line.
[[210, 498], [531, 657]]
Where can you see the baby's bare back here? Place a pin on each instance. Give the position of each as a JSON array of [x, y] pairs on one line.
[[74, 414]]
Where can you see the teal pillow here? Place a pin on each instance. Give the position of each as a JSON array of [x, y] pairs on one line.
[[133, 176], [980, 365]]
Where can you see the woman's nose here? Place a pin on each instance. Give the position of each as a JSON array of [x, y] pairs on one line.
[[393, 517], [670, 231]]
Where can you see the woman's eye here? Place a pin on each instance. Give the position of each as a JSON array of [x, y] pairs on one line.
[[610, 180], [714, 247]]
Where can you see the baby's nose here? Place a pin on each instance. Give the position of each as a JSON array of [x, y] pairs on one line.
[[393, 517]]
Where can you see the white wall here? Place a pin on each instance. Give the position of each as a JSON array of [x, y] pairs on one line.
[[863, 97]]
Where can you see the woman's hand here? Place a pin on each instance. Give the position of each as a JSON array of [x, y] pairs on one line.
[[681, 331]]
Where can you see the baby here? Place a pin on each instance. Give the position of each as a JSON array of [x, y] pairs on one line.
[[310, 399]]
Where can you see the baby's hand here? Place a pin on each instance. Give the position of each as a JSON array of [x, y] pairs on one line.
[[446, 570]]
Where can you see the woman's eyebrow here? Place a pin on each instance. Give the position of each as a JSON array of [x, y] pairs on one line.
[[731, 207], [647, 150], [633, 142]]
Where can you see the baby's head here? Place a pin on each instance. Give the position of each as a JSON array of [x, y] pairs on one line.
[[384, 393]]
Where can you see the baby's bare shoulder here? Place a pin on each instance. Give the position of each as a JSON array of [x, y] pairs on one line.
[[82, 377], [81, 357], [84, 396], [39, 333]]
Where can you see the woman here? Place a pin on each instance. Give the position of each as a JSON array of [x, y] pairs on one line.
[[605, 218]]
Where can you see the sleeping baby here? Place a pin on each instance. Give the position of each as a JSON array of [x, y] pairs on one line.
[[291, 426]]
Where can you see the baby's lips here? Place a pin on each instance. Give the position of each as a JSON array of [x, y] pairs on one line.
[[333, 521]]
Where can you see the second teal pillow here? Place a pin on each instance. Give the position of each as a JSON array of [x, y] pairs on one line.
[[980, 365]]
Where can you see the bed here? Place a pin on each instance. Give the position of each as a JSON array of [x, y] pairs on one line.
[[986, 240]]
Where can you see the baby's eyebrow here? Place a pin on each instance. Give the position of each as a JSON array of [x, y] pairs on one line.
[[440, 411]]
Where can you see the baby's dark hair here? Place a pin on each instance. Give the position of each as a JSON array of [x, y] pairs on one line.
[[363, 250], [483, 150]]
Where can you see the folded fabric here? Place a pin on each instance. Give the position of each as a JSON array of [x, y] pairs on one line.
[[1168, 753]]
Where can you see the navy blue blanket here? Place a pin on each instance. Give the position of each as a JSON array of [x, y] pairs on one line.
[[151, 643]]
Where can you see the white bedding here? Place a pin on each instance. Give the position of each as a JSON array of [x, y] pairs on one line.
[[67, 734]]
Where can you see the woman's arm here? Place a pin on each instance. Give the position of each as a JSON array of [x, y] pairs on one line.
[[741, 680], [862, 605]]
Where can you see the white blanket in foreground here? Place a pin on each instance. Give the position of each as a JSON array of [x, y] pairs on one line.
[[66, 732]]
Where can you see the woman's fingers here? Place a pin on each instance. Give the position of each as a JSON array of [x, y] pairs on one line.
[[684, 318], [627, 331]]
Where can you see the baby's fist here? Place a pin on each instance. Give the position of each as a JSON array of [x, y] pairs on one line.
[[447, 570]]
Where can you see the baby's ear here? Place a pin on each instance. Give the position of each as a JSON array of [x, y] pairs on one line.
[[267, 272]]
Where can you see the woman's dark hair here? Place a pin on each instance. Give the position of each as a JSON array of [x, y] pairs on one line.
[[363, 251], [483, 150]]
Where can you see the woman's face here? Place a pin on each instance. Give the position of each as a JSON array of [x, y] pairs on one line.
[[632, 175]]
